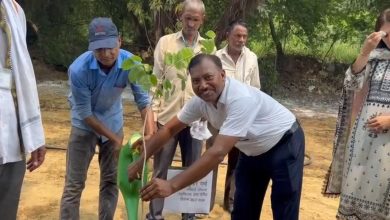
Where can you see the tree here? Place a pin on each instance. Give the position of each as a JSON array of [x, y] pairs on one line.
[[298, 18], [234, 10]]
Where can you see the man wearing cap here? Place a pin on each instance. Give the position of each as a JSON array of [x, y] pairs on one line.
[[97, 82]]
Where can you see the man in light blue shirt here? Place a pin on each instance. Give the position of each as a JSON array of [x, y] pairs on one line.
[[97, 81]]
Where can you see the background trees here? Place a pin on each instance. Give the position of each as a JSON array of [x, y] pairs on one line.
[[326, 29]]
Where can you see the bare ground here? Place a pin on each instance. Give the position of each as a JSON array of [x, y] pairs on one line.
[[42, 189]]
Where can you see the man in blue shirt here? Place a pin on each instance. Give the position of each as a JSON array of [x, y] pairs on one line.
[[97, 82]]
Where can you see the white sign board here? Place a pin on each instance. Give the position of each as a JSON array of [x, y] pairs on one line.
[[192, 199]]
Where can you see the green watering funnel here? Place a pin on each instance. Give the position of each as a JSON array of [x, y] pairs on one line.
[[130, 190]]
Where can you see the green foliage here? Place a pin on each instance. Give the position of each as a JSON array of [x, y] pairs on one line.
[[208, 46], [269, 75], [63, 25], [371, 5], [142, 73], [180, 59], [327, 29], [334, 31]]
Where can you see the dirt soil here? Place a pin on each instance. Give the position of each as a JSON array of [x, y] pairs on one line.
[[42, 189]]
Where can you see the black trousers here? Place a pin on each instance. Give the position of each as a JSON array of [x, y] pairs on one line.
[[283, 164]]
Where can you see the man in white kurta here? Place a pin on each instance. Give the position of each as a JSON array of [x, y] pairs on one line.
[[165, 108], [20, 119], [239, 63]]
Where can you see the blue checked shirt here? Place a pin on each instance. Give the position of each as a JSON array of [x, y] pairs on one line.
[[95, 93]]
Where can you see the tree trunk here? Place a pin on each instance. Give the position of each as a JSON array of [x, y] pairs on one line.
[[237, 9], [163, 20], [279, 59]]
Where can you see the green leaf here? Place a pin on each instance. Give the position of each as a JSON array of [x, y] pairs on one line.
[[181, 76], [181, 64], [167, 84], [180, 59], [128, 64], [186, 53], [147, 68], [207, 46], [169, 59], [145, 82], [158, 93], [153, 80], [136, 58], [136, 73], [210, 34]]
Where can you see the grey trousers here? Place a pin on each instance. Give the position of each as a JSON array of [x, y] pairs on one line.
[[190, 151], [11, 179], [81, 149]]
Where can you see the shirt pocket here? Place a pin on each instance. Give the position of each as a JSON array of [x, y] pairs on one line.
[[108, 97], [120, 85], [249, 75]]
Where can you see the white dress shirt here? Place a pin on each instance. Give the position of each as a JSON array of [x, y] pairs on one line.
[[245, 70], [245, 112]]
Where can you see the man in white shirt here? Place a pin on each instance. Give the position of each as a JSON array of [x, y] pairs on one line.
[[20, 118], [239, 63], [269, 138]]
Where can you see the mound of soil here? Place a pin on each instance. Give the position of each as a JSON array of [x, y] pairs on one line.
[[309, 83], [45, 72]]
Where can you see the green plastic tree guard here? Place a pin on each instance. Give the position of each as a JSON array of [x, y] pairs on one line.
[[130, 190]]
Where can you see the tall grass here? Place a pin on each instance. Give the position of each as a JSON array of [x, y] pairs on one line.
[[340, 52]]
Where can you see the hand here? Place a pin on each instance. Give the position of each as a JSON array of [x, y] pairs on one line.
[[155, 127], [36, 159], [156, 188], [379, 124], [150, 133], [139, 144], [118, 142], [134, 170], [371, 43], [117, 146]]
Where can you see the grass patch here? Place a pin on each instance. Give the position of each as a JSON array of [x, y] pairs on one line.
[[340, 52]]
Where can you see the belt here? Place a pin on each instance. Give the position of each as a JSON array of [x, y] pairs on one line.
[[294, 127], [289, 132]]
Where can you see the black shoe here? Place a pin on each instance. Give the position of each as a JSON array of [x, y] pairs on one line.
[[188, 216]]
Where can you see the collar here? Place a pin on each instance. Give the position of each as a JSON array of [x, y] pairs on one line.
[[225, 51], [223, 98], [180, 36]]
